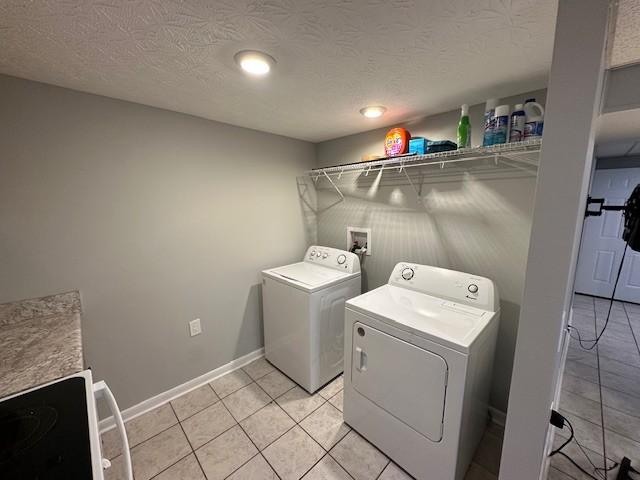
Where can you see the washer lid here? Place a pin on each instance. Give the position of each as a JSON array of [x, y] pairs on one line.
[[442, 321], [307, 275]]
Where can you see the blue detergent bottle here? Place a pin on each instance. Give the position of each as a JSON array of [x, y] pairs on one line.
[[489, 120], [501, 125]]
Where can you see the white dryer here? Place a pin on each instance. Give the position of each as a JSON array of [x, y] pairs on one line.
[[418, 362], [303, 305]]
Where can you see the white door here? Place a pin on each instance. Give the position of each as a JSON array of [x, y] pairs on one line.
[[408, 382], [602, 244]]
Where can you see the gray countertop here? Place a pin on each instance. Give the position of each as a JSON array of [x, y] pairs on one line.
[[40, 341]]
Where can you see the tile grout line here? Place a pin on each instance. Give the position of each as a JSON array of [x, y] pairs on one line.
[[342, 466], [603, 427], [598, 426], [131, 447], [605, 386], [384, 468], [197, 411], [273, 401], [193, 451], [635, 340], [297, 424], [610, 359], [578, 394], [251, 440]]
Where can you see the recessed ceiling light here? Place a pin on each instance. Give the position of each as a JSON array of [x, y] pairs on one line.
[[373, 111], [254, 62]]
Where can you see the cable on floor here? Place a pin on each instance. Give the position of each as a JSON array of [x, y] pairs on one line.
[[559, 421], [595, 341], [635, 339]]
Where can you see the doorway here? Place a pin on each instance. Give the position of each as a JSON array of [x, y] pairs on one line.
[[602, 246], [600, 389]]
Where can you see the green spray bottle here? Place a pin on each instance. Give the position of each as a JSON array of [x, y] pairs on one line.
[[464, 128]]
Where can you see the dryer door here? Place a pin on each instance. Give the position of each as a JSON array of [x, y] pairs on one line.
[[408, 382]]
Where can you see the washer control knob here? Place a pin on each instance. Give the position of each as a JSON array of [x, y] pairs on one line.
[[342, 258], [325, 255], [407, 273], [473, 288], [313, 252]]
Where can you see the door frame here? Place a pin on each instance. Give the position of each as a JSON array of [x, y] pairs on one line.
[[566, 161]]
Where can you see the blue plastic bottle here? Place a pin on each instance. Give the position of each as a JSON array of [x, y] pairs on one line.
[[489, 120], [501, 125]]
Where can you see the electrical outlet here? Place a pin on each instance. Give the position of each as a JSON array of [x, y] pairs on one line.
[[195, 327]]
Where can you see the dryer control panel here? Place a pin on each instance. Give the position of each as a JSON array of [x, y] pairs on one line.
[[462, 288], [333, 258]]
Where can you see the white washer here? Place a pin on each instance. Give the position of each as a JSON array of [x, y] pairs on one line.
[[418, 362], [303, 306]]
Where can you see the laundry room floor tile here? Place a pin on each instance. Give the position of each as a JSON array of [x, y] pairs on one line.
[[358, 457], [246, 401], [489, 452], [282, 439], [186, 469], [275, 384], [338, 400], [158, 453], [327, 469], [298, 403], [394, 472], [194, 401], [258, 368], [207, 424], [225, 454], [293, 454], [326, 426], [332, 388], [139, 429], [230, 382], [266, 425], [255, 469], [617, 356]]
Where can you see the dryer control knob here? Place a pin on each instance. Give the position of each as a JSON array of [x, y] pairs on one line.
[[325, 255], [473, 288], [407, 273], [342, 258], [313, 252]]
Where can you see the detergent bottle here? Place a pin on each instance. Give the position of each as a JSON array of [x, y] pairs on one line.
[[534, 123]]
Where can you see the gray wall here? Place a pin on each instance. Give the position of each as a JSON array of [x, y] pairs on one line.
[[471, 222], [157, 217]]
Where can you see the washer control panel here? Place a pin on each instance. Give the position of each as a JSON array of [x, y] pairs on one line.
[[448, 284], [333, 258]]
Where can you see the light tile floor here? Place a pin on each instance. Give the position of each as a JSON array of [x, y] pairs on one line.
[[619, 359], [255, 423]]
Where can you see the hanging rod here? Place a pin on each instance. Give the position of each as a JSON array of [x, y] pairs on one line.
[[516, 152]]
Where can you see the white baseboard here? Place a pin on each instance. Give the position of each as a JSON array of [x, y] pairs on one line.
[[498, 416], [164, 397]]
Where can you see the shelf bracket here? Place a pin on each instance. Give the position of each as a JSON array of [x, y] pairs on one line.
[[334, 185], [411, 183]]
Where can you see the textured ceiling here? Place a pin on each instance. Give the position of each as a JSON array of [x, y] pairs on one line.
[[417, 57], [626, 42], [618, 134]]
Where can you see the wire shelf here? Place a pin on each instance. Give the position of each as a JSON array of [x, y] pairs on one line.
[[526, 152]]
